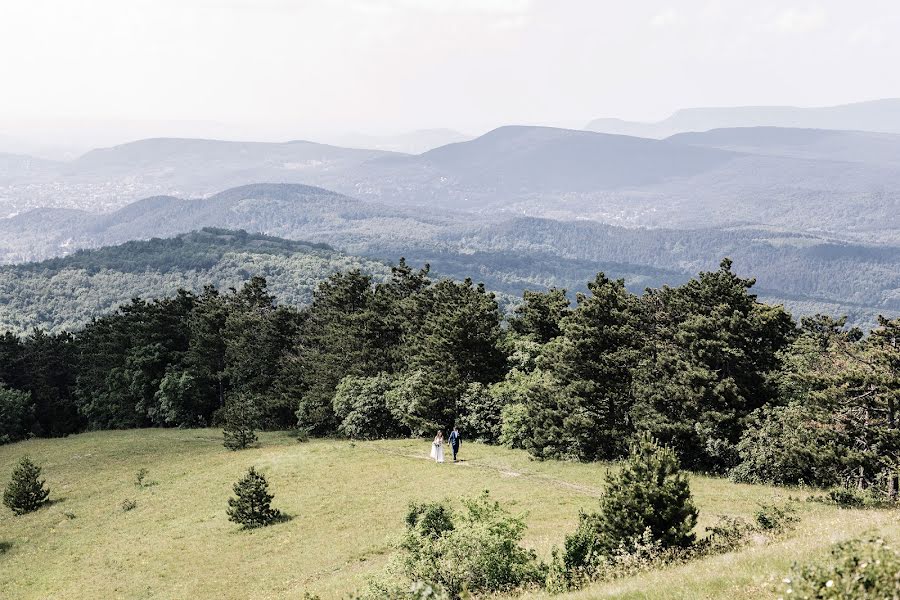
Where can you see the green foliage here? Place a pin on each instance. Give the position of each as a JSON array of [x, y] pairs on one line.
[[789, 445], [25, 492], [476, 550], [840, 424], [429, 519], [360, 404], [252, 504], [514, 425], [649, 494], [855, 569], [16, 414], [539, 316], [480, 413], [854, 497], [241, 421]]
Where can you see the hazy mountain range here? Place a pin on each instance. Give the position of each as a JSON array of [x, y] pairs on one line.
[[842, 184], [875, 115], [813, 213]]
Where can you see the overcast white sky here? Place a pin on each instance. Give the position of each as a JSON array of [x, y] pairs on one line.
[[395, 65]]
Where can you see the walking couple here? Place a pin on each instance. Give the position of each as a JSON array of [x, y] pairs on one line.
[[437, 446]]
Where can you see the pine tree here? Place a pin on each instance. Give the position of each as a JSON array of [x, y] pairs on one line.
[[252, 505], [649, 492], [587, 418], [241, 421], [648, 497], [26, 492]]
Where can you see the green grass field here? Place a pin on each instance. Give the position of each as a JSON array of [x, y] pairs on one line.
[[346, 502]]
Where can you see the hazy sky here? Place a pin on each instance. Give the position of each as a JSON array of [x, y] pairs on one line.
[[396, 65]]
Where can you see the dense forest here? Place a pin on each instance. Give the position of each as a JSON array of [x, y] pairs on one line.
[[730, 383]]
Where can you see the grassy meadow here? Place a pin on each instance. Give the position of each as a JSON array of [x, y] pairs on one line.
[[346, 502]]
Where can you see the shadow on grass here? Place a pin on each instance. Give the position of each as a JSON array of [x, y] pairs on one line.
[[4, 547], [54, 502], [281, 518]]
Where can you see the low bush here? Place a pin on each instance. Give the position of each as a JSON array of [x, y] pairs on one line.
[[128, 505], [775, 518], [853, 497], [26, 491], [475, 550], [854, 569]]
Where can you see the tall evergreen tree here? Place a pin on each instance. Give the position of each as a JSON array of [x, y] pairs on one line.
[[540, 315], [587, 417], [709, 348]]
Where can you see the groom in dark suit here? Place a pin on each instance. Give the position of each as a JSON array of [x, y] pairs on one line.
[[454, 441]]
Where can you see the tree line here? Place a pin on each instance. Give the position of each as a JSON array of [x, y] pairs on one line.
[[729, 383]]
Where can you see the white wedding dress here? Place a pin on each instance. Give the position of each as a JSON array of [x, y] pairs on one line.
[[437, 451]]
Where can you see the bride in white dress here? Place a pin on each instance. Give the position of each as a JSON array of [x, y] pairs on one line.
[[437, 447]]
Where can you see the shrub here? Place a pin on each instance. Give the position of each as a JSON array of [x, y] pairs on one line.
[[26, 492], [16, 414], [359, 402], [429, 519], [241, 420], [252, 504], [725, 535], [476, 550], [774, 518], [128, 505], [853, 497], [855, 569], [513, 425], [140, 478], [647, 501]]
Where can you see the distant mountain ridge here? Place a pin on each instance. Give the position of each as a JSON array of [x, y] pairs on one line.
[[836, 184], [875, 115]]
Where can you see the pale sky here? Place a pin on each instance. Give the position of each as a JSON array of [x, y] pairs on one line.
[[286, 67]]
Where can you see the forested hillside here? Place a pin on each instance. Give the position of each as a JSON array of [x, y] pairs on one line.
[[65, 293]]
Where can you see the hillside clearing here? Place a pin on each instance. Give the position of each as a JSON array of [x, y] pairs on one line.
[[346, 502]]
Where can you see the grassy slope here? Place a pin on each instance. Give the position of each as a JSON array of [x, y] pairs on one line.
[[346, 502]]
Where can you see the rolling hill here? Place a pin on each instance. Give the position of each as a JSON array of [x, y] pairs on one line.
[[178, 521], [824, 144]]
